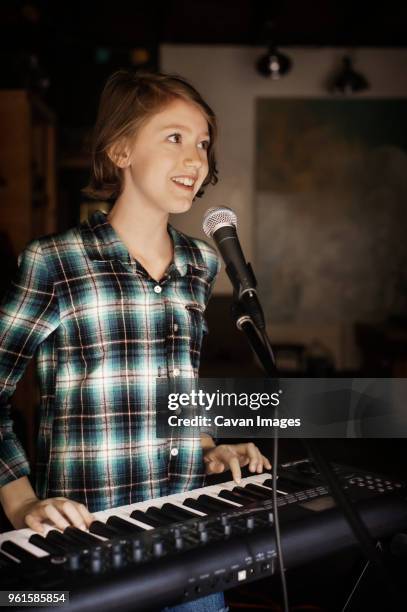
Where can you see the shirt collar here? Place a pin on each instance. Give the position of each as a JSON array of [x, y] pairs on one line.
[[103, 244]]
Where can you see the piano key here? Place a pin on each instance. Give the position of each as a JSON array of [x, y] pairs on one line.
[[160, 516], [236, 497], [263, 492], [177, 513], [191, 502], [82, 537], [123, 526], [64, 542], [38, 540], [251, 495], [143, 518], [202, 505], [18, 552], [180, 504], [99, 528], [215, 503]]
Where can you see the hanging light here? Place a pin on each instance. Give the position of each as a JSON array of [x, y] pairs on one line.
[[347, 80], [273, 64]]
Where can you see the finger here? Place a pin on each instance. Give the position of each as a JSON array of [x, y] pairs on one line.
[[243, 460], [263, 464], [235, 469], [215, 467], [209, 457], [254, 455], [245, 454], [221, 453], [34, 523], [71, 512], [86, 515], [50, 512], [266, 463]]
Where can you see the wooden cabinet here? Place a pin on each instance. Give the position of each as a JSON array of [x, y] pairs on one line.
[[27, 168], [27, 210]]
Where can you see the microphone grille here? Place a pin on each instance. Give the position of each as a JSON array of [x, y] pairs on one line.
[[214, 218]]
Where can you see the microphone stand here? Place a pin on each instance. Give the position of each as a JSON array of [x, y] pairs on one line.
[[261, 346], [245, 323], [264, 352]]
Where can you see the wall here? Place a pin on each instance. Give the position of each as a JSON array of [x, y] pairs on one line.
[[227, 79]]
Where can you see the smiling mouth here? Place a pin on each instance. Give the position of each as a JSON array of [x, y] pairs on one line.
[[184, 187], [186, 183]]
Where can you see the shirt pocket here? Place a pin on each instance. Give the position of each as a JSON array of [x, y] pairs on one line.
[[197, 328]]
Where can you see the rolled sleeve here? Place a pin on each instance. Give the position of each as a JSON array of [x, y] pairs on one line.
[[28, 314]]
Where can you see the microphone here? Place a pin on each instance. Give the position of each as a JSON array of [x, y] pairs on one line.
[[220, 224]]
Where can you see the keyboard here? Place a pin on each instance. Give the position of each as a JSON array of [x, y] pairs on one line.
[[177, 548]]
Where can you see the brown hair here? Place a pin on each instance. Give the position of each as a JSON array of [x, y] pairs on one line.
[[128, 100]]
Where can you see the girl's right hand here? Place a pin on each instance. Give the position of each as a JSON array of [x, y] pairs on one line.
[[59, 511]]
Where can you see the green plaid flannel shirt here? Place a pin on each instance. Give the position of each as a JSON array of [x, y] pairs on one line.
[[103, 331]]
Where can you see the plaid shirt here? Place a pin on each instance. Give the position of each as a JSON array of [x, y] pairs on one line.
[[103, 331]]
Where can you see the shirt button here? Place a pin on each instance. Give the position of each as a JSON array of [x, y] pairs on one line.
[[174, 452], [157, 289], [176, 372], [175, 327]]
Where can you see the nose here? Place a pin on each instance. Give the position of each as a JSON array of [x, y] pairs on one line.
[[192, 159]]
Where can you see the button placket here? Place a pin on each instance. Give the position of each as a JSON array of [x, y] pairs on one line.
[[171, 328], [162, 357]]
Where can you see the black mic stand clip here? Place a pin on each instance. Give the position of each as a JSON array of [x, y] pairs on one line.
[[245, 294]]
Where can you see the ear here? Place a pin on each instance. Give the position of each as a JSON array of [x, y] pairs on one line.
[[119, 154]]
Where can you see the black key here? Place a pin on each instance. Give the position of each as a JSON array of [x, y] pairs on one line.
[[201, 504], [18, 552], [100, 529], [56, 537], [251, 495], [215, 503], [197, 505], [39, 541], [261, 492], [116, 522], [147, 520], [236, 497], [81, 537], [177, 513], [157, 514]]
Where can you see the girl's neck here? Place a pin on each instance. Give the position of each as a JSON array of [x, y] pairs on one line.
[[145, 235], [142, 230]]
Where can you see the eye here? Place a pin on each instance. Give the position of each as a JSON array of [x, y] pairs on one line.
[[176, 138], [205, 144]]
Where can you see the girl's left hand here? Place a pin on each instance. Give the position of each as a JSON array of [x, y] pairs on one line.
[[233, 457]]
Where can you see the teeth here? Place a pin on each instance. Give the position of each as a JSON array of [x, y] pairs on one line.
[[184, 181]]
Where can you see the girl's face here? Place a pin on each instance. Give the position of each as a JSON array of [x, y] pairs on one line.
[[167, 161]]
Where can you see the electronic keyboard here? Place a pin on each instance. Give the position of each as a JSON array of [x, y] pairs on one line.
[[177, 548]]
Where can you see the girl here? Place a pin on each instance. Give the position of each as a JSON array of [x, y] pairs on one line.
[[109, 307]]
